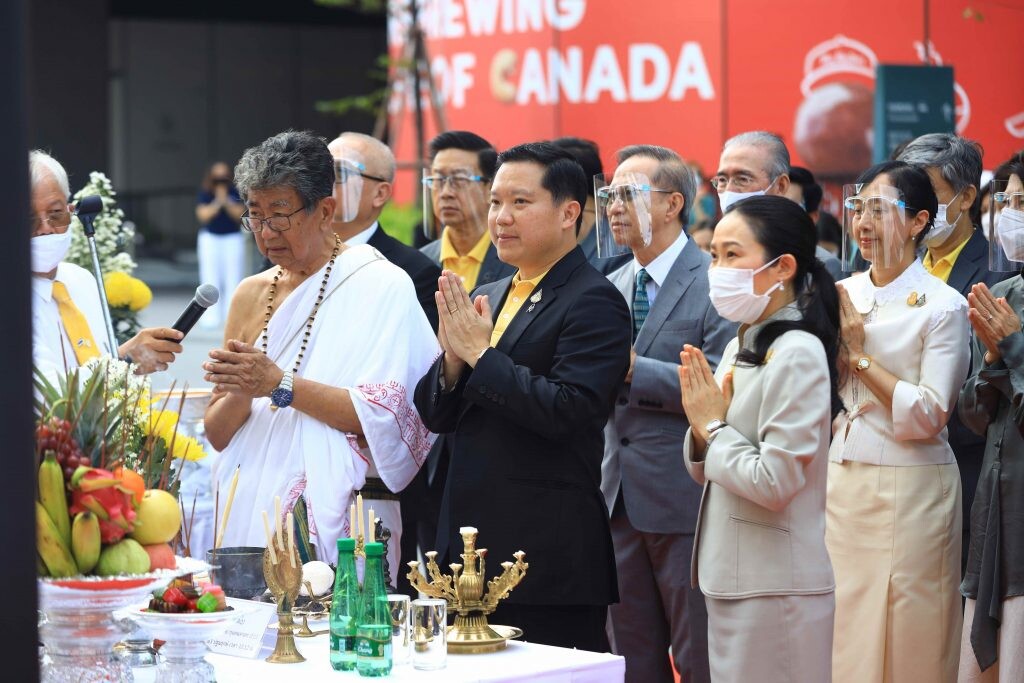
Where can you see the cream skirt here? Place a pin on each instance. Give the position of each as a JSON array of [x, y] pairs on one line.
[[893, 534]]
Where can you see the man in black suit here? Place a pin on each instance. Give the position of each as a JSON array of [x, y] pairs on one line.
[[360, 199], [524, 387], [957, 252]]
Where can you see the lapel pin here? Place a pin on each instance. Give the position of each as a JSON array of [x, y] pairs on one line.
[[534, 300], [915, 300]]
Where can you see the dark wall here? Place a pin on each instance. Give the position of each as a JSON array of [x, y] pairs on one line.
[[67, 82]]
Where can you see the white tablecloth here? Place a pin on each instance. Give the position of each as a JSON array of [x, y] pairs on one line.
[[518, 662]]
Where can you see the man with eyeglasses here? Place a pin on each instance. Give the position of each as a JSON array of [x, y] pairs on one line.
[[461, 169], [68, 328], [364, 169], [757, 163], [652, 501]]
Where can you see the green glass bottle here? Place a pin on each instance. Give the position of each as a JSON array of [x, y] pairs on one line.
[[345, 608], [373, 635]]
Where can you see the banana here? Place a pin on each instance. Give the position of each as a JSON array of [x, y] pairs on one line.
[[41, 566], [51, 547], [53, 496], [85, 541]]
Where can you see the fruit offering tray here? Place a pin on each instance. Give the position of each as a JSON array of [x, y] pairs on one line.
[[110, 592]]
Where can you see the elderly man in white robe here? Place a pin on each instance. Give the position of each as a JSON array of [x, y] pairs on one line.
[[311, 398]]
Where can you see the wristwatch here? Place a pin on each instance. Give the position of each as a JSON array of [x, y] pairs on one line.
[[712, 428], [282, 396], [863, 363]]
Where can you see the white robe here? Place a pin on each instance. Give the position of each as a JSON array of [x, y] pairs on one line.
[[371, 337]]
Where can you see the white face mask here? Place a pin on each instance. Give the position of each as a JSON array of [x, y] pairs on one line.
[[942, 229], [49, 250], [728, 197], [732, 293], [1010, 229]]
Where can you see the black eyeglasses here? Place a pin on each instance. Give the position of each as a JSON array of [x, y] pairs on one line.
[[275, 223]]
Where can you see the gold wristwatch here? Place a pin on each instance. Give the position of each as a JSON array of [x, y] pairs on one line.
[[863, 363]]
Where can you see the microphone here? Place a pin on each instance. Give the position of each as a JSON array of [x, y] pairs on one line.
[[206, 296], [86, 210]]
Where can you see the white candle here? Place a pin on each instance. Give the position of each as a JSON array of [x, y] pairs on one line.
[[277, 520], [372, 532], [352, 520], [291, 539], [359, 513], [270, 538]]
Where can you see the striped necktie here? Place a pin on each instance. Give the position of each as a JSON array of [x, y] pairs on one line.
[[75, 325], [641, 304]]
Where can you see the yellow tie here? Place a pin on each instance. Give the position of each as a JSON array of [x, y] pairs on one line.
[[75, 325]]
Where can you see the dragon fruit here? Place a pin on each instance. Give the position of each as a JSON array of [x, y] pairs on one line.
[[100, 492]]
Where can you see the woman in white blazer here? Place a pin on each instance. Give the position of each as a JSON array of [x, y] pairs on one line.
[[759, 445], [894, 498]]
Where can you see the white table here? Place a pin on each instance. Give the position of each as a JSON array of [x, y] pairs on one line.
[[518, 662]]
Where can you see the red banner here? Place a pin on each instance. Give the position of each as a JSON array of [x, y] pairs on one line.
[[687, 74]]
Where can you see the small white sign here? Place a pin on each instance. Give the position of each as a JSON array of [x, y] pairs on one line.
[[244, 636]]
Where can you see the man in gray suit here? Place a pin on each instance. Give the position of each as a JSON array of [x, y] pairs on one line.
[[652, 500], [756, 163]]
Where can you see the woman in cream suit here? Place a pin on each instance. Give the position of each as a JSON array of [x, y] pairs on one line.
[[894, 498], [759, 446]]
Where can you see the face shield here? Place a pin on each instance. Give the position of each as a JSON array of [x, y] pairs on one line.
[[1006, 226], [349, 169], [459, 197], [622, 207], [875, 225]]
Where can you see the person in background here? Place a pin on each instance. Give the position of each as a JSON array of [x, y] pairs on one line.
[[806, 192], [758, 443], [68, 327], [588, 156], [830, 232], [957, 253], [371, 188], [701, 234], [653, 503], [992, 645], [221, 244], [894, 493]]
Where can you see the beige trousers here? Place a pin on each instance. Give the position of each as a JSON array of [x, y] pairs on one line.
[[893, 534], [1009, 668], [771, 639]]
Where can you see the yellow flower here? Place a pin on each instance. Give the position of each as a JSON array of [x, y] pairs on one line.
[[141, 294], [163, 425], [119, 289]]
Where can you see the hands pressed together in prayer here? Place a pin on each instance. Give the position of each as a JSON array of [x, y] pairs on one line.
[[464, 325], [851, 329], [993, 320], [703, 400], [242, 369]]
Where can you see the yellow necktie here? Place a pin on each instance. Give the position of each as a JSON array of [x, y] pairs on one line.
[[75, 325]]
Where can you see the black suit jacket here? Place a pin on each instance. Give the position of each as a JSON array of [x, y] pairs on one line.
[[525, 428], [422, 270]]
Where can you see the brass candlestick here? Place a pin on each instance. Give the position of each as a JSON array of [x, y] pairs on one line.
[[283, 579], [464, 591]]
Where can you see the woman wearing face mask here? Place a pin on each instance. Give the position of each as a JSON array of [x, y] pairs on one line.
[[894, 493], [992, 645], [221, 244], [759, 445]]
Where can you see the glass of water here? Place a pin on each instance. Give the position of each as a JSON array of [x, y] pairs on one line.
[[398, 607], [429, 633]]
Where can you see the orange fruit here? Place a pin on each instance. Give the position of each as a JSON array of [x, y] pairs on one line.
[[133, 481]]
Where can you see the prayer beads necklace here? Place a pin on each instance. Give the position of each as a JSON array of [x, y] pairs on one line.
[[312, 314]]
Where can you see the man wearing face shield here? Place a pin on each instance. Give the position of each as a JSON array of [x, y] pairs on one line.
[[456, 189], [364, 176], [588, 156], [644, 209], [757, 163], [67, 315], [957, 253]]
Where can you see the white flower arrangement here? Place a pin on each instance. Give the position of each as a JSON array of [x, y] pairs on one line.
[[113, 237]]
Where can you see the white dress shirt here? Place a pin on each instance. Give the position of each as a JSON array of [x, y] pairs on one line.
[[927, 346], [362, 237], [51, 346], [659, 267]]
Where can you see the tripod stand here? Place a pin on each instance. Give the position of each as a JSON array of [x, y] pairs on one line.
[[412, 62]]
